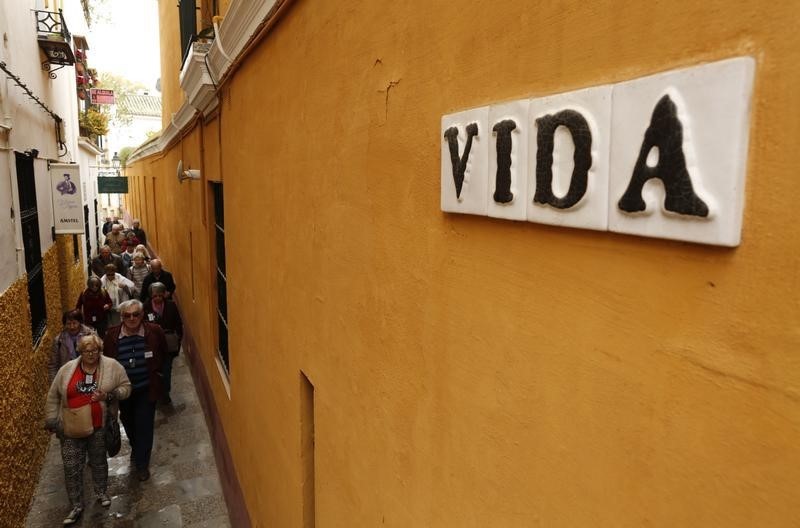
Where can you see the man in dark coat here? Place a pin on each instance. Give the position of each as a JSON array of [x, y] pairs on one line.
[[141, 348], [157, 274], [109, 223], [139, 232], [107, 257]]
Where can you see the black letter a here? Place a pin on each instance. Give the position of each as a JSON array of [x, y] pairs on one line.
[[460, 165], [666, 133]]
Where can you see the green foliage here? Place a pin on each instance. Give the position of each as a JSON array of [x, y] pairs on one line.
[[93, 122], [95, 11], [122, 89], [124, 154]]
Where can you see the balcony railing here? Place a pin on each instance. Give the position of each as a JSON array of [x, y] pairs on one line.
[[54, 39]]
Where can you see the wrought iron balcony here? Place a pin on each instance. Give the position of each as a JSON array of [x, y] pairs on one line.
[[54, 39]]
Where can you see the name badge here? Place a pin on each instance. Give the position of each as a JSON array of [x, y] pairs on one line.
[[148, 354], [94, 318], [151, 317], [89, 379]]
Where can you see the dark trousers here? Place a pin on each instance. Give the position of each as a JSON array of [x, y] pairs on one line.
[[167, 370], [100, 327], [137, 415]]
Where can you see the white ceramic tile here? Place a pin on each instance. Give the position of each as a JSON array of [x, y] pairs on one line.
[[499, 117], [713, 106], [591, 211], [472, 199]]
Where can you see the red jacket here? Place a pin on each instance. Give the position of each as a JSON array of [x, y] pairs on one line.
[[92, 307], [129, 242]]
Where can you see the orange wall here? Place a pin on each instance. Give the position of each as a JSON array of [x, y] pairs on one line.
[[480, 372], [170, 33], [23, 372]]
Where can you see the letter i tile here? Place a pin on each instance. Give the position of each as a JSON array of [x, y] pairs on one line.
[[508, 160]]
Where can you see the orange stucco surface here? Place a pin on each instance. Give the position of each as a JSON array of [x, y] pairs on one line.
[[470, 371], [23, 373]]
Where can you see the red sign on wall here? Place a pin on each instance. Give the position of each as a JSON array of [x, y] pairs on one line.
[[99, 96]]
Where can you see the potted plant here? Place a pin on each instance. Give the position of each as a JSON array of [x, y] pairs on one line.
[[93, 123]]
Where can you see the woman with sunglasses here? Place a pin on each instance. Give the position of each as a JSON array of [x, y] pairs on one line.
[[94, 381], [140, 348]]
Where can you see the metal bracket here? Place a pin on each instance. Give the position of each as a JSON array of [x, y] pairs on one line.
[[46, 66]]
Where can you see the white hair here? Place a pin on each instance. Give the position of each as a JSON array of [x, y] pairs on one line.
[[123, 306]]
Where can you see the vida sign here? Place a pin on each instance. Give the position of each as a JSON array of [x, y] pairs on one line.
[[662, 156]]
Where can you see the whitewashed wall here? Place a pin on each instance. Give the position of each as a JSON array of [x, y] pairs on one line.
[[30, 126], [132, 135]]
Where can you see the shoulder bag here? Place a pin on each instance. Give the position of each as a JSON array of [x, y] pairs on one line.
[[78, 421], [113, 438], [173, 342]]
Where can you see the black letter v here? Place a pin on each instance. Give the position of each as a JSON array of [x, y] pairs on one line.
[[460, 165]]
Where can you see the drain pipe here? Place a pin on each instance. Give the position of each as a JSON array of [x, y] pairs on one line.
[[218, 38]]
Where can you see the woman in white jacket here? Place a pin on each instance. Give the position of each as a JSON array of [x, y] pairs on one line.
[[119, 289], [85, 385]]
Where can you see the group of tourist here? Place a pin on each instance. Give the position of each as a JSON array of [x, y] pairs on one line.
[[124, 375]]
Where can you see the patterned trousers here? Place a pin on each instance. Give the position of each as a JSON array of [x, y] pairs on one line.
[[73, 454]]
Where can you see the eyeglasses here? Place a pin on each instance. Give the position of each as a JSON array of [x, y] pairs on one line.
[[131, 315], [90, 351]]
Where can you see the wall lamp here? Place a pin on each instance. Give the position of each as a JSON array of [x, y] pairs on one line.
[[188, 174]]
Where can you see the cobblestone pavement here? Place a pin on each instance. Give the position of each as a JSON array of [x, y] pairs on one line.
[[183, 490]]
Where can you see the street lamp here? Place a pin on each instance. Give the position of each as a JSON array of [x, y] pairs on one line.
[[115, 163]]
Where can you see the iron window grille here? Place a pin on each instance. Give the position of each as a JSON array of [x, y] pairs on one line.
[[29, 221], [222, 281]]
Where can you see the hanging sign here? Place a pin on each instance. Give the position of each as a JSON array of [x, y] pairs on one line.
[[100, 96], [65, 189], [112, 185]]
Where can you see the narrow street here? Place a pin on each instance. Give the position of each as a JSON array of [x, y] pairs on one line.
[[427, 265], [183, 491]]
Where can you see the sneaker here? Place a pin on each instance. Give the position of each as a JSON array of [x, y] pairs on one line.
[[143, 474], [73, 516], [105, 500]]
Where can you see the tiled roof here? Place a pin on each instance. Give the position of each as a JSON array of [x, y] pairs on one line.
[[141, 105]]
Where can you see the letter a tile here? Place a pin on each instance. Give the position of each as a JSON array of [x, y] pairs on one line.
[[679, 153]]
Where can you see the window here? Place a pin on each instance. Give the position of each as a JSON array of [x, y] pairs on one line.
[[96, 223], [29, 220], [187, 15], [208, 10], [222, 281], [88, 237]]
